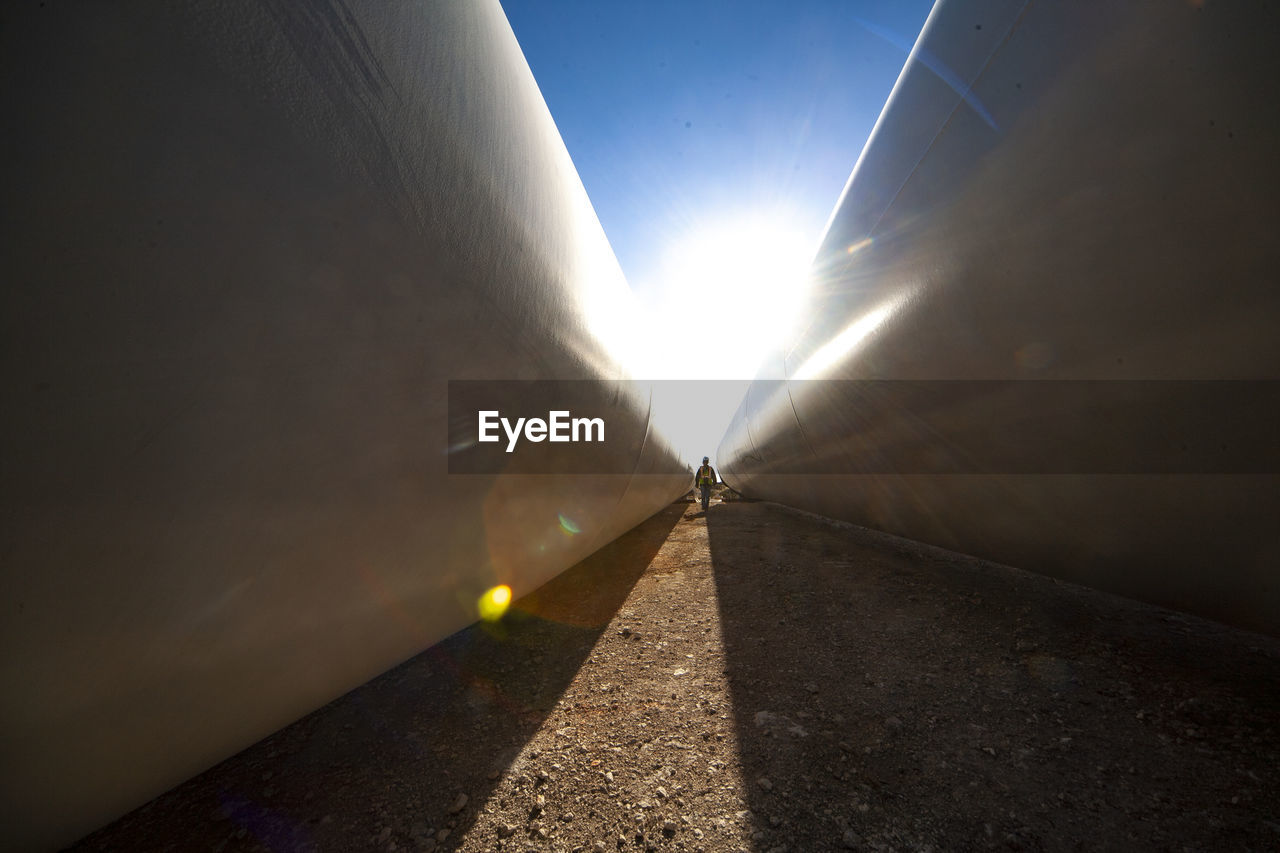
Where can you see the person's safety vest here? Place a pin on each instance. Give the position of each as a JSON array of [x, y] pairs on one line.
[[704, 476]]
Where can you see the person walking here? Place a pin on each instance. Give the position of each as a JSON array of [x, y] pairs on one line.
[[705, 479]]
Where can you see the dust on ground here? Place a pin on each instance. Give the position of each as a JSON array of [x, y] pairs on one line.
[[757, 679]]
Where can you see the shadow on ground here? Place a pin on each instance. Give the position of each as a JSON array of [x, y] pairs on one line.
[[388, 763], [890, 695]]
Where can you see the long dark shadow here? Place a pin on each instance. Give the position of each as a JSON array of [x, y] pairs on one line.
[[891, 695], [387, 762]]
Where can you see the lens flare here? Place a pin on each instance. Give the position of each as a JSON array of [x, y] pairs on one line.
[[494, 603], [567, 524]]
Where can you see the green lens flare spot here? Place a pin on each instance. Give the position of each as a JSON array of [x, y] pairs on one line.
[[568, 526]]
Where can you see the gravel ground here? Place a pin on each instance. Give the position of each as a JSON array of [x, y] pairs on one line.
[[759, 679]]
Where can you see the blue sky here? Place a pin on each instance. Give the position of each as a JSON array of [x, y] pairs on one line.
[[681, 114], [714, 139]]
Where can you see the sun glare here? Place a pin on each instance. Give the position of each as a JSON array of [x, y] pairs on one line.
[[720, 300], [736, 290]]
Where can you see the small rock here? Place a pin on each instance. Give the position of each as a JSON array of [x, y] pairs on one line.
[[458, 804], [567, 817], [599, 847], [544, 776], [541, 832], [668, 825], [764, 783], [608, 776], [662, 792], [852, 840], [442, 835], [384, 834], [505, 830], [893, 724], [540, 803], [811, 687]]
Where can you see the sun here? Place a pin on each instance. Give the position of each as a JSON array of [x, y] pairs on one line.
[[740, 285]]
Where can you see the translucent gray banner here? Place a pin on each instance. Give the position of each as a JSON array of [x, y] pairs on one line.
[[882, 426]]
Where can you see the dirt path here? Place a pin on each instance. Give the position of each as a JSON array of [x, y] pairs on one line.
[[758, 679]]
